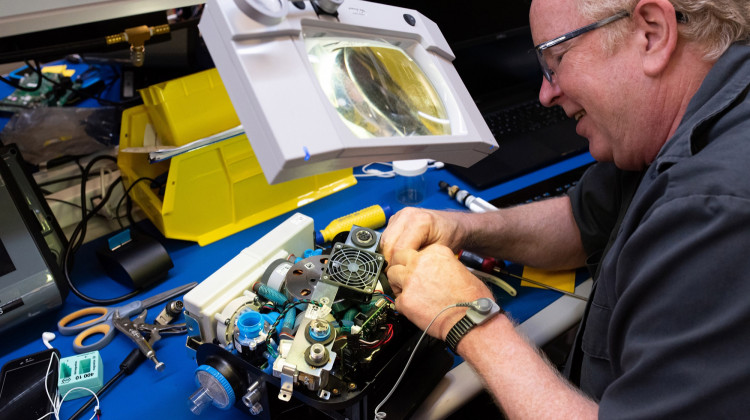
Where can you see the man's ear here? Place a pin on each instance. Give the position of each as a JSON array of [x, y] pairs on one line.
[[656, 34]]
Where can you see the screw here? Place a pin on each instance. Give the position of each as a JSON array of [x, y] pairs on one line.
[[352, 386]]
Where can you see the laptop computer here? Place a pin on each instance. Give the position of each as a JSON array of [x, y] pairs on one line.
[[496, 61]]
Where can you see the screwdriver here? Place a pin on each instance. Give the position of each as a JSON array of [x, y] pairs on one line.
[[489, 264]]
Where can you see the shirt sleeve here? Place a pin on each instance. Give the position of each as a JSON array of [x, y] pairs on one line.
[[595, 205], [599, 201]]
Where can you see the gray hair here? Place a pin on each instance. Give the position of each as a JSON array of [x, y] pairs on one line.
[[712, 24]]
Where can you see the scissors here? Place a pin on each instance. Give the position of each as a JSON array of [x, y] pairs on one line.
[[103, 324]]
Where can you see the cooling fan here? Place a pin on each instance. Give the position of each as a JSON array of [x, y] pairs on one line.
[[354, 269]]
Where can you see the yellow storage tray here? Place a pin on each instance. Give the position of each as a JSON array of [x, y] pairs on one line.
[[179, 108], [214, 191]]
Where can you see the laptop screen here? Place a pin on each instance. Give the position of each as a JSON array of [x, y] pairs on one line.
[[492, 44], [495, 59], [499, 70]]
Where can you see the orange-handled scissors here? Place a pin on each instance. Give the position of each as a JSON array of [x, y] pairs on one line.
[[103, 324]]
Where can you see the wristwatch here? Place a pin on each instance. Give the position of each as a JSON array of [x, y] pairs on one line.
[[480, 311]]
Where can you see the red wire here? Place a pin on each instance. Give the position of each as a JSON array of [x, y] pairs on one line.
[[389, 333]]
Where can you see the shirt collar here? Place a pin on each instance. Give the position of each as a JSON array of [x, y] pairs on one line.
[[727, 80]]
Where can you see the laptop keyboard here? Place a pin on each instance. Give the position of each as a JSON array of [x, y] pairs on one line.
[[523, 118], [551, 187]]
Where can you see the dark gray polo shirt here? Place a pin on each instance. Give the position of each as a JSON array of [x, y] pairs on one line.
[[667, 332]]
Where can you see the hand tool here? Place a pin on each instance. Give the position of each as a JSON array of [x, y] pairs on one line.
[[103, 324], [489, 278], [131, 362], [134, 330], [487, 264]]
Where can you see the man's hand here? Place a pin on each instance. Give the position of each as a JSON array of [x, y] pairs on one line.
[[413, 228], [427, 281]]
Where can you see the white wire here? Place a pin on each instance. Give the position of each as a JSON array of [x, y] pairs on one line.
[[46, 388], [85, 389], [367, 172], [380, 414], [57, 401]]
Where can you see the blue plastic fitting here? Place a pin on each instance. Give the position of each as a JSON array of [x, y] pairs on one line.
[[249, 325]]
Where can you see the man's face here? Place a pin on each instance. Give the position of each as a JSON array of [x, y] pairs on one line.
[[603, 91]]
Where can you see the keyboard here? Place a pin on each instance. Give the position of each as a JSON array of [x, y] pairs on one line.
[[525, 117], [551, 187]]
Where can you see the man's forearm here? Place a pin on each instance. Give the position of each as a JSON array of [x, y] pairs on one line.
[[542, 234], [522, 381]]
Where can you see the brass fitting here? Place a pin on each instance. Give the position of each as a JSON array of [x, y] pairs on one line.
[[137, 37]]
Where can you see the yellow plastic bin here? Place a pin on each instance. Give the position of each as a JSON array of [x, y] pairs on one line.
[[214, 191], [189, 108]]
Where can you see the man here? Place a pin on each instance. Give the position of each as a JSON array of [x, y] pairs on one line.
[[660, 89]]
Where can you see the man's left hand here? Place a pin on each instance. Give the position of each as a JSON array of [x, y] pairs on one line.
[[429, 280]]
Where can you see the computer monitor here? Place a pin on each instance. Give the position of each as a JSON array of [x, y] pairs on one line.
[[317, 91]]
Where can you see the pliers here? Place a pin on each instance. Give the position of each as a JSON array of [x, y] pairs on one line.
[[134, 330]]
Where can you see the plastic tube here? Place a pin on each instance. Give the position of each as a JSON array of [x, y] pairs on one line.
[[289, 319], [372, 217], [269, 293], [350, 314]]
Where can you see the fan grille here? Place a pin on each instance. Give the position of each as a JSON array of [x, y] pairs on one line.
[[355, 268]]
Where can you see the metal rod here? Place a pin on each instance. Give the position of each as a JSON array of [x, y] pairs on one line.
[[540, 284]]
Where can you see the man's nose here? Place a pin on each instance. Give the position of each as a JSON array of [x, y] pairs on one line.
[[549, 93]]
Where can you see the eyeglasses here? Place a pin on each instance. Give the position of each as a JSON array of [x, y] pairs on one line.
[[548, 72]]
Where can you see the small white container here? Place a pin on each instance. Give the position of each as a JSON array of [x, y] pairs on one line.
[[411, 186]]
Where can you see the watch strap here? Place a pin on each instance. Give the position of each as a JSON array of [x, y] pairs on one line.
[[463, 326]]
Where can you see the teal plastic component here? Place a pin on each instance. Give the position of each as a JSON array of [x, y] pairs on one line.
[[80, 371]]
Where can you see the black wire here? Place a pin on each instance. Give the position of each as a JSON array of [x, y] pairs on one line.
[[128, 366], [101, 391], [79, 234], [59, 180], [78, 163], [84, 178], [38, 70], [71, 204], [73, 247], [23, 88], [127, 196], [287, 308]]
